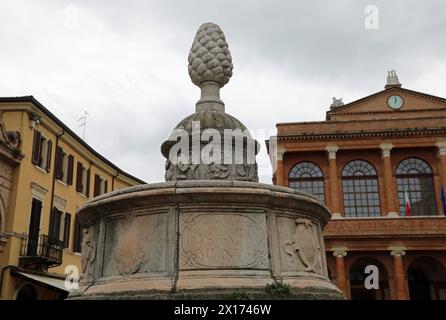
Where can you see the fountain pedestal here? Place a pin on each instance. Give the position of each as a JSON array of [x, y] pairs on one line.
[[211, 230], [204, 239]]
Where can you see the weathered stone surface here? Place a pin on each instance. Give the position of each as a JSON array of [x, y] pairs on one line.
[[216, 240], [300, 247], [126, 246], [219, 232], [211, 229], [209, 57]]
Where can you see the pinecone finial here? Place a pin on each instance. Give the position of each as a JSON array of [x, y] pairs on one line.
[[209, 57]]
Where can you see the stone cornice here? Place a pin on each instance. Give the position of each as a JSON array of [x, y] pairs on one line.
[[360, 113]]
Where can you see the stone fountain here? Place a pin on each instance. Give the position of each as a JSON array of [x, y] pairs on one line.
[[211, 229]]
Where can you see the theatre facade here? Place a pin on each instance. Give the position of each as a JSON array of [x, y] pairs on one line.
[[379, 164]]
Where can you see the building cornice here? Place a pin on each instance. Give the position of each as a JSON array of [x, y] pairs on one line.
[[361, 134], [29, 103]]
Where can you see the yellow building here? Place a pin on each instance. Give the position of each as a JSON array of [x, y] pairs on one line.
[[46, 173]]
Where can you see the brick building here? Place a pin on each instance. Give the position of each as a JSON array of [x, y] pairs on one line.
[[379, 164]]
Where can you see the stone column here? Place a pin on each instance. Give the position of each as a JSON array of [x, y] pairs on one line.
[[441, 145], [389, 186], [334, 183], [442, 156], [280, 179], [341, 278], [400, 274]]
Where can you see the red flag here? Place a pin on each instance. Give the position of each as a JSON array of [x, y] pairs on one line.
[[407, 201]]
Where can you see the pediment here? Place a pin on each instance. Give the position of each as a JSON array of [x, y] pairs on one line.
[[414, 103]]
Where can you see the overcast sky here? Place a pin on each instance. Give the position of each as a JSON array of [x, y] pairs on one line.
[[125, 62]]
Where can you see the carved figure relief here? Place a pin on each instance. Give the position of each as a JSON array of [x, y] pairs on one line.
[[218, 171], [305, 246], [88, 255]]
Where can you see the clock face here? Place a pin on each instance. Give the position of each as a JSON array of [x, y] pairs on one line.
[[395, 102]]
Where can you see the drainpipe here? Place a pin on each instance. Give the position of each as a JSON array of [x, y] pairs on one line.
[[54, 173]]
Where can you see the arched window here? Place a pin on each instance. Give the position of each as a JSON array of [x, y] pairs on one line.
[[360, 187], [415, 181], [308, 177]]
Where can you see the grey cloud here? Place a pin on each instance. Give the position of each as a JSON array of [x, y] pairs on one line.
[[126, 62]]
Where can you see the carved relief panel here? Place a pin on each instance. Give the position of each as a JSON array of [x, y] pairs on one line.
[[300, 245], [127, 250], [89, 253], [212, 240]]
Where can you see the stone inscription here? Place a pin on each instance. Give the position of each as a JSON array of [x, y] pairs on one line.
[[223, 241]]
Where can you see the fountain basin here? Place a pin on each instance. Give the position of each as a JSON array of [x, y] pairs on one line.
[[203, 239]]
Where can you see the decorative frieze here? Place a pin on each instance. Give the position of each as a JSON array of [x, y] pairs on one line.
[[416, 226]]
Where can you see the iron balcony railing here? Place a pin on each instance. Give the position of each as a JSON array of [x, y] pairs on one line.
[[40, 252]]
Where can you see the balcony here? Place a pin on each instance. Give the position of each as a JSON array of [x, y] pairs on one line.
[[40, 253]]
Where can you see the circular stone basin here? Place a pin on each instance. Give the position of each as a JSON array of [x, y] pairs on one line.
[[204, 239]]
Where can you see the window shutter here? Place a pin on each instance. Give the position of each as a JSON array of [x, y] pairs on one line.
[[58, 163], [88, 183], [77, 235], [106, 186], [79, 177], [70, 170], [54, 225], [48, 156], [50, 228], [97, 185], [66, 231], [36, 148]]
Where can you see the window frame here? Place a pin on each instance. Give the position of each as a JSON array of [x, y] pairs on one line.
[[360, 199], [312, 179], [41, 157], [411, 181]]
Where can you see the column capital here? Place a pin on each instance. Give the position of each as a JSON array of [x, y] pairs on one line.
[[339, 253], [331, 150], [441, 145], [385, 149], [280, 152], [398, 253]]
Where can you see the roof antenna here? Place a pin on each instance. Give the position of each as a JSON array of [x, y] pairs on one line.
[[84, 123]]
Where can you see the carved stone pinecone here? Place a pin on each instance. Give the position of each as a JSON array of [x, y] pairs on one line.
[[209, 57]]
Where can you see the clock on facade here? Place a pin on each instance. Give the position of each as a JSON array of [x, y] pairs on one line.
[[395, 102]]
